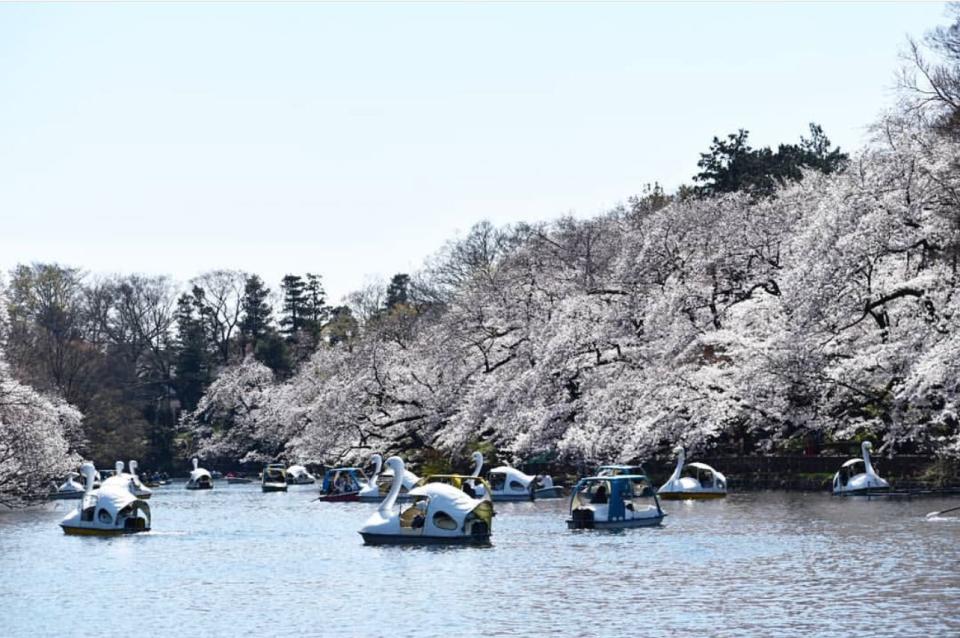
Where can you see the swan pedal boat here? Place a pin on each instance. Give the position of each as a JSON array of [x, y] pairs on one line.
[[127, 481], [614, 502], [200, 479], [441, 512], [510, 484], [851, 480], [705, 482], [111, 510], [69, 490], [298, 475], [274, 478]]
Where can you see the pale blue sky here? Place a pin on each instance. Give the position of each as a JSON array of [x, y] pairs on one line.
[[353, 140]]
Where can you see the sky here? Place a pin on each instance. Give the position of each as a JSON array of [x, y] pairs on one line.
[[354, 140]]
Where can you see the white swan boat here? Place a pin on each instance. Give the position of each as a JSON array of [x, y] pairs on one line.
[[137, 487], [200, 479], [298, 475], [69, 489], [128, 481], [510, 484], [614, 502], [109, 511], [857, 476], [693, 481], [440, 512]]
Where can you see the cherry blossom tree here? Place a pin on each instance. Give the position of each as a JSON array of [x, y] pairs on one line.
[[33, 445]]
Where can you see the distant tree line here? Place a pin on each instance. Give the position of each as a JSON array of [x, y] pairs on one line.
[[132, 352]]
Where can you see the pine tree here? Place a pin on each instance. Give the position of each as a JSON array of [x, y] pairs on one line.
[[398, 292], [732, 165], [294, 306], [315, 309], [192, 356], [257, 314]]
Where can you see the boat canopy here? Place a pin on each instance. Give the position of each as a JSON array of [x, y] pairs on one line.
[[703, 467], [444, 496], [456, 481], [199, 473], [275, 471], [852, 462], [354, 473], [447, 506], [113, 500], [513, 478], [616, 470]]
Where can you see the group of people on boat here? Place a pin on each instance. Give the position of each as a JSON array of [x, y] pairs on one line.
[[344, 484]]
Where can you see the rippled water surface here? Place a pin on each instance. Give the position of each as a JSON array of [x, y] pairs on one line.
[[234, 561]]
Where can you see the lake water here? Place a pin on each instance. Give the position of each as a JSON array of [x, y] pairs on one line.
[[234, 561]]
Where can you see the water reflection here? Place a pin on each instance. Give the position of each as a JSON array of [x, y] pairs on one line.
[[236, 561]]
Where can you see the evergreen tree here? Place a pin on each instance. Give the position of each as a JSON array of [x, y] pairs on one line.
[[294, 306], [315, 309], [273, 352], [192, 356], [257, 314], [732, 165], [398, 292]]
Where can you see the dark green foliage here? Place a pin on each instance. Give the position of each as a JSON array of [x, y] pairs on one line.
[[294, 306], [315, 309], [272, 351], [257, 314], [192, 358], [398, 291], [732, 165], [342, 327]]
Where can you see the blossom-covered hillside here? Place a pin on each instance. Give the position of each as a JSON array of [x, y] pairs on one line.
[[827, 310]]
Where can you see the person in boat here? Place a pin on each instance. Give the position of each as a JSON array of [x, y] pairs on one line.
[[421, 517], [468, 489], [600, 496]]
